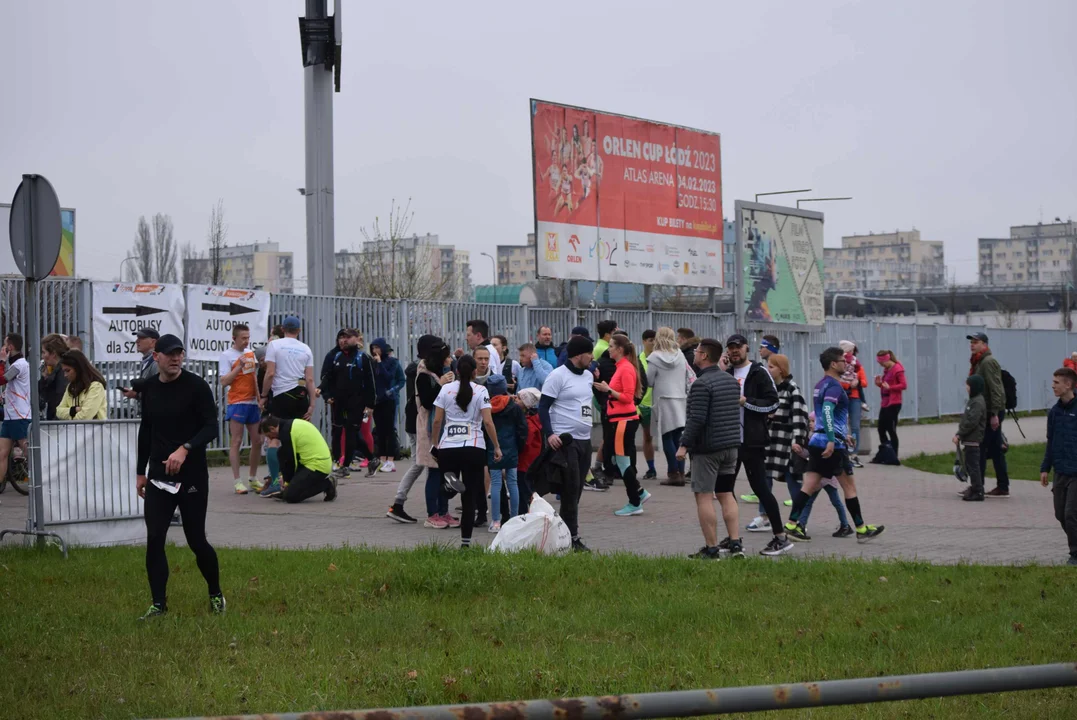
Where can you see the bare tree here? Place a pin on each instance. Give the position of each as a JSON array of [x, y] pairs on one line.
[[218, 233], [165, 251], [142, 269], [392, 265], [194, 269]]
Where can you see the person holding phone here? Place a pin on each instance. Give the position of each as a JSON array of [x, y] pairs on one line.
[[145, 342]]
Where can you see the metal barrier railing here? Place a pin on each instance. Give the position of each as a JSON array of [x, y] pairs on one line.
[[720, 701]]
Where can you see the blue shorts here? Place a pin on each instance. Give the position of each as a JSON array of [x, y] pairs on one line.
[[15, 429], [244, 413]]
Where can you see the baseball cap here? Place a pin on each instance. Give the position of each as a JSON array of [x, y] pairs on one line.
[[147, 332], [291, 323], [168, 344], [736, 339], [581, 330], [982, 337]]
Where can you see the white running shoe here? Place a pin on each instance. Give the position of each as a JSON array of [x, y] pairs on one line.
[[759, 524], [388, 467], [241, 489]]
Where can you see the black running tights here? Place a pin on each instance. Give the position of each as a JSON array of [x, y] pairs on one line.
[[160, 506]]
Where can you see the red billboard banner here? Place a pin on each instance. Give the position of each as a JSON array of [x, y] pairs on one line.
[[625, 200]]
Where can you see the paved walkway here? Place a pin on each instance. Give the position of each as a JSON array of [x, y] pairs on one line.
[[925, 519]]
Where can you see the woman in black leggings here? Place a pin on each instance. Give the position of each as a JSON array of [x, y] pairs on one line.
[[462, 410], [891, 384]]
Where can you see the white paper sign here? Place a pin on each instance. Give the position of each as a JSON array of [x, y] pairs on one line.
[[119, 309], [212, 311]]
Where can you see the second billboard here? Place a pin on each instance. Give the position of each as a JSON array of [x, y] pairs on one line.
[[619, 199]]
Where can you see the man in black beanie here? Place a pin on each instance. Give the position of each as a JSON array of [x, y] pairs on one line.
[[566, 409]]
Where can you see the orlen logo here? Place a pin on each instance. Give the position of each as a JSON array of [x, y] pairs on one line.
[[574, 241], [552, 254], [575, 259]]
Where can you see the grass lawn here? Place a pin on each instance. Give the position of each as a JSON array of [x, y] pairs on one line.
[[1023, 462], [346, 629]]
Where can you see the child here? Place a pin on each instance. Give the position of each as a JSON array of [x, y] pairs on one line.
[[833, 491], [1061, 455], [511, 427], [528, 400], [970, 433]]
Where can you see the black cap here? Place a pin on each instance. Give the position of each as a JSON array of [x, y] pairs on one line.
[[168, 344], [147, 332], [982, 337], [736, 339], [581, 330]]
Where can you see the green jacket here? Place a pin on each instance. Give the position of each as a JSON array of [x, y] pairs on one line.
[[973, 422], [302, 445], [989, 369]]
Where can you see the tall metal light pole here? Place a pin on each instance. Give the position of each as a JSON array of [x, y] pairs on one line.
[[493, 264], [319, 34], [123, 262]]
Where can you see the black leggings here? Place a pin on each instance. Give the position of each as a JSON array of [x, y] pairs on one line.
[[291, 405], [306, 483], [469, 463], [754, 461], [347, 440], [385, 429], [159, 508], [888, 419]]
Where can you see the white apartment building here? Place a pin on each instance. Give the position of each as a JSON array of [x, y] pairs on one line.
[[258, 266], [516, 264], [1033, 255], [412, 266], [883, 261]]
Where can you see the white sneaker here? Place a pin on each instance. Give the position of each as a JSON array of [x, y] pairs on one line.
[[241, 489], [759, 524], [495, 527], [388, 467]]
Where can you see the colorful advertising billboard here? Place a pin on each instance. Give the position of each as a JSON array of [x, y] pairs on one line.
[[619, 199], [65, 263], [780, 264]]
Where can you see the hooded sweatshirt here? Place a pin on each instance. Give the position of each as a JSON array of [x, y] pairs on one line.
[[389, 376], [667, 373], [974, 420]]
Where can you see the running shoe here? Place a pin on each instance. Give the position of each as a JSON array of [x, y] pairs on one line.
[[650, 475], [777, 546], [363, 464], [629, 509], [342, 472], [494, 528], [272, 490], [217, 604], [789, 503], [644, 496], [450, 521], [749, 498], [844, 531], [706, 553], [594, 486], [869, 532], [256, 485], [396, 512], [973, 495], [856, 462], [731, 548], [436, 521], [454, 482], [155, 611], [998, 493], [759, 524], [389, 467], [331, 493], [241, 489], [372, 467], [578, 546], [798, 534]]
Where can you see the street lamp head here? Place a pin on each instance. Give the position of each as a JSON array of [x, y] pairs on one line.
[[301, 191]]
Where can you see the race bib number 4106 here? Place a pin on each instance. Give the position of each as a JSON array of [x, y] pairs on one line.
[[458, 431]]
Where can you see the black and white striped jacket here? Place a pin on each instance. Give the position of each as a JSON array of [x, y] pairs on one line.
[[788, 425]]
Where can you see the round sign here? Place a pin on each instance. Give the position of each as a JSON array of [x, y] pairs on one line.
[[35, 227]]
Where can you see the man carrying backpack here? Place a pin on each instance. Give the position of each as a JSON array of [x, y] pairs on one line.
[[986, 366]]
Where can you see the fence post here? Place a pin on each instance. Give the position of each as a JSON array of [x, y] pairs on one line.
[[1028, 365], [916, 368], [403, 329], [85, 322], [524, 323], [938, 365]]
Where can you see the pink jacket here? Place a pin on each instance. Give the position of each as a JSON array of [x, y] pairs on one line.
[[895, 378]]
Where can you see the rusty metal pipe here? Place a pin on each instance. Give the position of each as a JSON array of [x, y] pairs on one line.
[[691, 703]]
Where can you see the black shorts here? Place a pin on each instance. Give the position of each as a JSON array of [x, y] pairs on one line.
[[830, 467]]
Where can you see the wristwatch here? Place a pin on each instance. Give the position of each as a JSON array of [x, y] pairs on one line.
[[187, 447]]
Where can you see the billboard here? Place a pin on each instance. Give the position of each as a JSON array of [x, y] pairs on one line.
[[619, 199], [65, 263], [780, 266]]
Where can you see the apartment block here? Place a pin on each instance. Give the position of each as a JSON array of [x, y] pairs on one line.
[[1040, 254], [258, 266], [516, 264], [882, 261]]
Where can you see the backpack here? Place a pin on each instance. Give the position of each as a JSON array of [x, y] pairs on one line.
[[885, 455], [1009, 387]]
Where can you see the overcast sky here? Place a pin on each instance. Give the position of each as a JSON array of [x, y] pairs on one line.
[[956, 117]]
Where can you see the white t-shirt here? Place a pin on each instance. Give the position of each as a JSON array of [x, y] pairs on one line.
[[292, 358], [463, 428], [242, 390], [741, 375], [572, 411], [495, 361], [17, 391]]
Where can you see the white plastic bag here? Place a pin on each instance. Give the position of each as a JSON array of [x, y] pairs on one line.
[[540, 529]]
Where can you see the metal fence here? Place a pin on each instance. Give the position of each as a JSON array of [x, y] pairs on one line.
[[935, 356]]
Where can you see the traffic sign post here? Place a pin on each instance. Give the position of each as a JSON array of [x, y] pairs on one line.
[[35, 230]]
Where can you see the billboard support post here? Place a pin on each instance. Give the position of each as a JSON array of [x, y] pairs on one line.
[[710, 299], [647, 298]]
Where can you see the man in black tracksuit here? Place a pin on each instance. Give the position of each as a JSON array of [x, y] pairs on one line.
[[758, 399], [348, 385]]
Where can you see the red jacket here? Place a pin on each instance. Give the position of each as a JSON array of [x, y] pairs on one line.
[[530, 452], [895, 378], [1070, 363]]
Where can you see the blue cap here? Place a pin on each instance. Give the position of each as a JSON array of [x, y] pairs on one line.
[[497, 385], [291, 323]]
